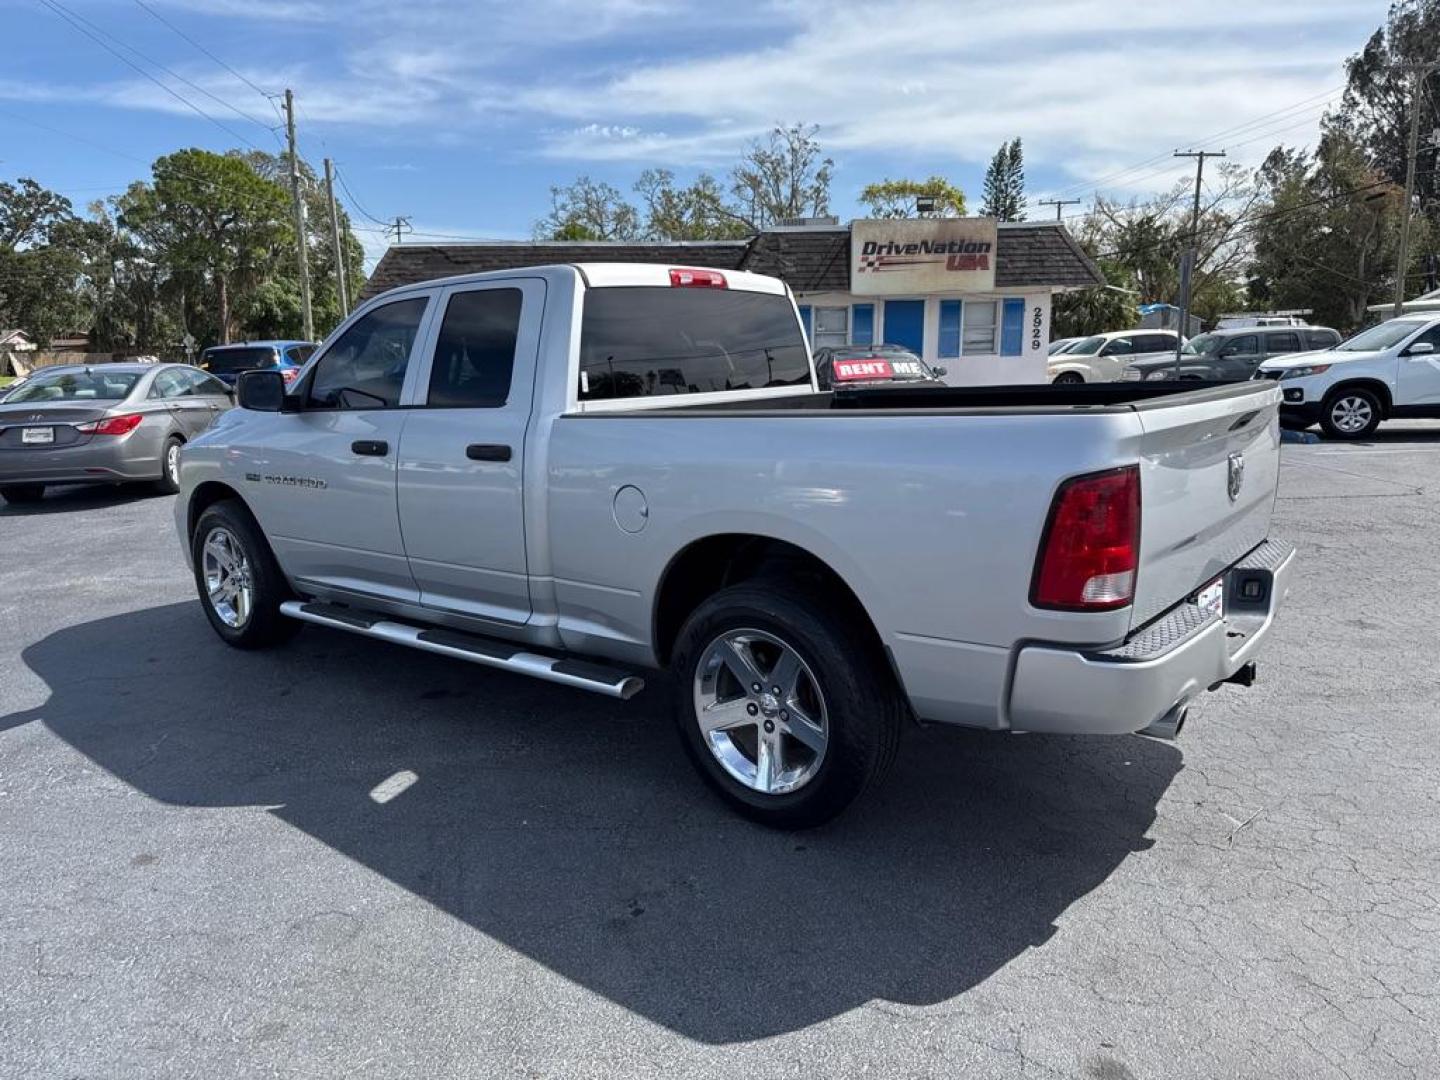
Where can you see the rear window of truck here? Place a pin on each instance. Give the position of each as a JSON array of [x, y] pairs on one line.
[[645, 341]]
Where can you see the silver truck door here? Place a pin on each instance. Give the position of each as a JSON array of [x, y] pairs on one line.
[[461, 457], [323, 483]]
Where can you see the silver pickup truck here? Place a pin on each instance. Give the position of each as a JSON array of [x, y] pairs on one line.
[[583, 473]]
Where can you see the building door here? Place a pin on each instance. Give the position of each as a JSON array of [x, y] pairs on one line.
[[905, 324]]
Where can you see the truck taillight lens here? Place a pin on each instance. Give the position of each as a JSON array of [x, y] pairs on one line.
[[116, 425], [697, 279], [1091, 547]]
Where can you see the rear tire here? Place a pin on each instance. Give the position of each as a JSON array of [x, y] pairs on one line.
[[828, 736], [169, 482], [240, 584], [1351, 412], [22, 493]]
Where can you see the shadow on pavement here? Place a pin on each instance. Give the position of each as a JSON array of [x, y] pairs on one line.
[[70, 497], [570, 828]]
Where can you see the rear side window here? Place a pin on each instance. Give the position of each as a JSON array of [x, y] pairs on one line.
[[475, 353], [298, 354], [365, 369], [1321, 339], [1279, 343], [646, 341], [232, 361]]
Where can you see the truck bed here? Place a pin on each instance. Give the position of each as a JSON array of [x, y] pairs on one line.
[[1017, 399]]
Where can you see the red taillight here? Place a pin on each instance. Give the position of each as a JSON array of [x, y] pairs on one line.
[[289, 374], [697, 279], [1091, 547], [116, 425]]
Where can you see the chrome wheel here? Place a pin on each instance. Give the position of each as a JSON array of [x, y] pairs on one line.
[[1351, 414], [760, 711], [172, 463], [228, 581]]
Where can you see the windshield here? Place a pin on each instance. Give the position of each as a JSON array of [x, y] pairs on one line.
[[1090, 346], [1204, 343], [230, 361], [87, 385], [1064, 345], [1380, 337]]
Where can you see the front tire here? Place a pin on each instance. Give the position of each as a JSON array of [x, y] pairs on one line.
[[1069, 378], [240, 584], [1351, 412], [22, 493], [786, 707]]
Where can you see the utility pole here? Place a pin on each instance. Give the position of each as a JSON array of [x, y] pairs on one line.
[[300, 249], [1060, 204], [340, 276], [1192, 254], [1417, 80], [400, 228]]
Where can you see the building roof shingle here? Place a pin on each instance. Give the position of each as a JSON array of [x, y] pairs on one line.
[[809, 260]]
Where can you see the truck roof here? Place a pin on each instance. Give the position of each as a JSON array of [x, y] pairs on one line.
[[597, 275]]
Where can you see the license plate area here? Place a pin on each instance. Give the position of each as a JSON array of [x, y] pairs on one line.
[[37, 436], [1211, 599]]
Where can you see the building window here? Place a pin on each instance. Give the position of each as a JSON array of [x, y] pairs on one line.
[[1012, 328], [979, 328], [949, 329], [832, 326], [862, 324], [805, 321]]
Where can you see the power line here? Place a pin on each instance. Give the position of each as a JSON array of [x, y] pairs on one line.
[[356, 202], [78, 22], [269, 97]]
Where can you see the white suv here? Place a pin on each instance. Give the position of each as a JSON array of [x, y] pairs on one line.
[[1390, 371]]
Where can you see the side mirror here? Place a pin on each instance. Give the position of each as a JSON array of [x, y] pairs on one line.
[[260, 391], [940, 372], [1420, 348]]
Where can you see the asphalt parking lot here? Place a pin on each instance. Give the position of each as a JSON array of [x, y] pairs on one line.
[[203, 871]]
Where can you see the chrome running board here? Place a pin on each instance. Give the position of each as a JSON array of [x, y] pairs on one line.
[[489, 652]]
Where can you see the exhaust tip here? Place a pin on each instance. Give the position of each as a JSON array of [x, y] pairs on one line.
[[1169, 726]]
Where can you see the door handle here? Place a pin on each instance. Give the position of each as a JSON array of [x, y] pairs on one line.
[[370, 447], [487, 452]]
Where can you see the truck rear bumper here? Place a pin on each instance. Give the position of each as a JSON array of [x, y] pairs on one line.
[[1157, 670]]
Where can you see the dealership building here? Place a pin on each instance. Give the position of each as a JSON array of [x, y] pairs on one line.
[[967, 294]]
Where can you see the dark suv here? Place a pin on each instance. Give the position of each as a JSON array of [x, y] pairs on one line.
[[1234, 355]]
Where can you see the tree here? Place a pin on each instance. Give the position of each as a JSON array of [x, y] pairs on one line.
[[212, 218], [782, 176], [1327, 234], [589, 210], [44, 254], [896, 198], [1375, 110], [1005, 184], [697, 212], [1099, 310]]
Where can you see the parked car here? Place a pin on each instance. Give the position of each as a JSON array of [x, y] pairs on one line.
[[1390, 371], [608, 468], [1061, 345], [103, 424], [872, 365], [1232, 355], [1236, 322], [225, 362], [1103, 357]]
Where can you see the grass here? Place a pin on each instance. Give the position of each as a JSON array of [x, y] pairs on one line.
[[6, 380]]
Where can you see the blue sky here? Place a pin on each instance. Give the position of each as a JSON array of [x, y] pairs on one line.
[[461, 116]]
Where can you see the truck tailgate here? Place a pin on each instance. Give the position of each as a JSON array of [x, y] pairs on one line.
[[1209, 467]]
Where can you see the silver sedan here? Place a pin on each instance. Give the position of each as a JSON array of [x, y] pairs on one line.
[[103, 424]]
